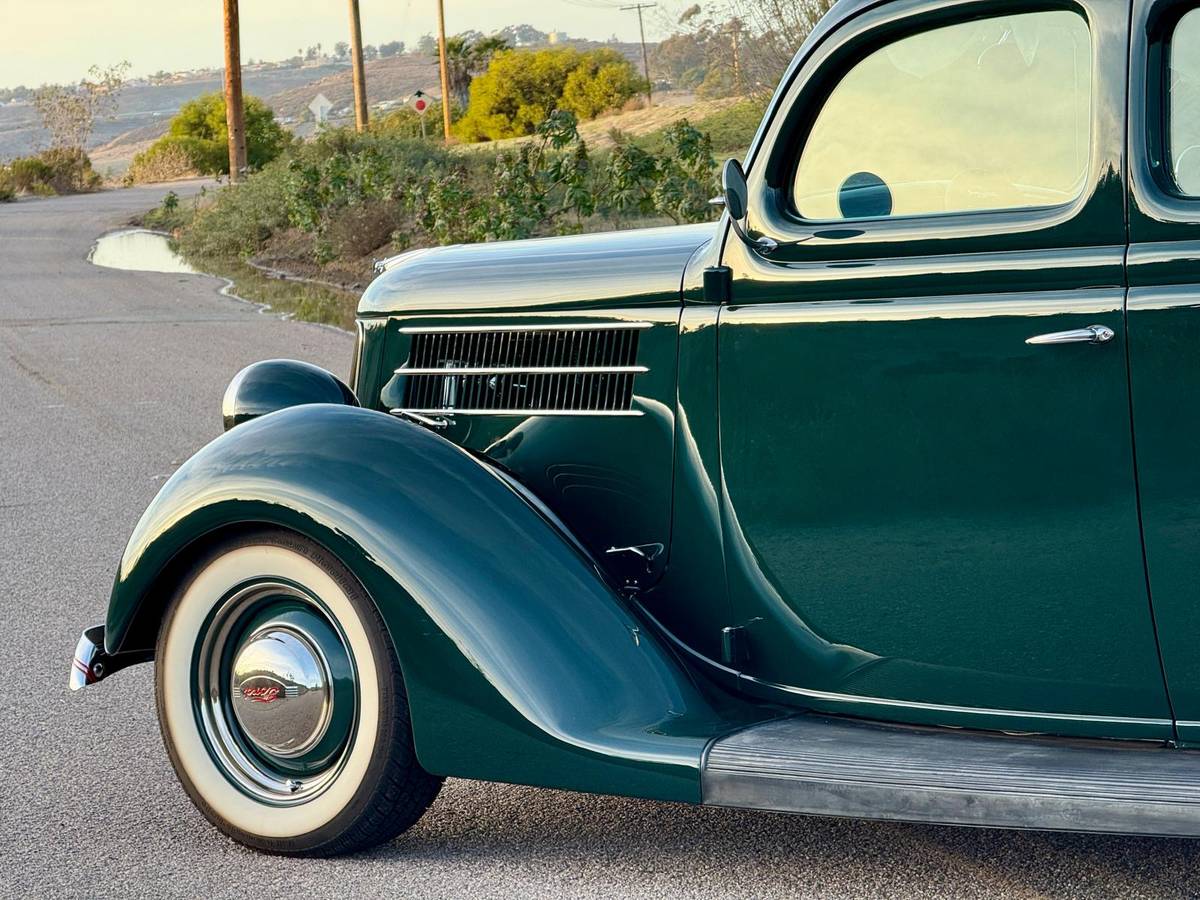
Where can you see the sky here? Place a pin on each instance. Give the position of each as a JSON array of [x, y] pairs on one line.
[[58, 40]]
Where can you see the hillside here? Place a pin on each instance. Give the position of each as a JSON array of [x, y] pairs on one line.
[[150, 106], [145, 109]]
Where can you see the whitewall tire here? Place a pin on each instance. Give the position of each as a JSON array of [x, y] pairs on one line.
[[281, 701]]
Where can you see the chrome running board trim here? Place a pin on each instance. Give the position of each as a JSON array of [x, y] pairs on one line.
[[833, 767]]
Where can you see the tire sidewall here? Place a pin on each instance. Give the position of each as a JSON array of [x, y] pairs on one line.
[[304, 827]]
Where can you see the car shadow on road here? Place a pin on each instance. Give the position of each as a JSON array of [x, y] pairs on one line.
[[671, 849]]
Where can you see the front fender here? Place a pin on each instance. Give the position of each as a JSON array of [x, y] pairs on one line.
[[521, 664]]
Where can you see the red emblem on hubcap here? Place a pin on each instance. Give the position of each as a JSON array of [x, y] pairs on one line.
[[261, 693]]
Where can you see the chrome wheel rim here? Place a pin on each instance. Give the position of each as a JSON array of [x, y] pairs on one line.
[[274, 692]]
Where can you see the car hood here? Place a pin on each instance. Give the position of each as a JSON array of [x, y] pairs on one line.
[[638, 268]]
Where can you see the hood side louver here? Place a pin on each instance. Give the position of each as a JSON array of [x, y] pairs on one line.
[[582, 369]]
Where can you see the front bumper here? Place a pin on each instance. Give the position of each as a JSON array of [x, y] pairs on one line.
[[92, 664]]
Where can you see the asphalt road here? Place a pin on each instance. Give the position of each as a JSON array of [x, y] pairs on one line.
[[107, 381]]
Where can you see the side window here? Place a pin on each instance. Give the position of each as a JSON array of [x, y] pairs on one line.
[[1184, 62], [985, 115]]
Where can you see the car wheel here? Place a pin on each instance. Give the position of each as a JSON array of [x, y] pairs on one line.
[[282, 704]]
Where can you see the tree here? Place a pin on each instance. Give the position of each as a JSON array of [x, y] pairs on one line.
[[603, 80], [681, 60], [467, 55], [523, 36], [70, 113], [199, 128], [521, 88], [391, 48], [751, 49], [370, 52], [341, 50], [427, 45]]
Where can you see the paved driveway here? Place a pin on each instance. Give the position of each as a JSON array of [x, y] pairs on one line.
[[107, 381]]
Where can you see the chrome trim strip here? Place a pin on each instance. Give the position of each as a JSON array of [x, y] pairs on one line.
[[818, 765], [573, 326], [939, 707], [530, 370], [449, 411]]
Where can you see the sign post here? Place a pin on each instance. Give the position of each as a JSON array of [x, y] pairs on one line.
[[421, 105]]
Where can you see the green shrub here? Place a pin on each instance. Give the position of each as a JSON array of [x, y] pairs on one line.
[[345, 189], [30, 175], [603, 80], [239, 220], [172, 214], [166, 160], [60, 170], [346, 196], [686, 175], [521, 88], [200, 134]]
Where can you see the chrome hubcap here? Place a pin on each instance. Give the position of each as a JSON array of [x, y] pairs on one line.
[[281, 692], [275, 692]]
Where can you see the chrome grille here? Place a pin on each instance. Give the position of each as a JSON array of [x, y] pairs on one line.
[[585, 369]]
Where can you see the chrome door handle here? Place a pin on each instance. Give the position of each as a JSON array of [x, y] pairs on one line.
[[1093, 334]]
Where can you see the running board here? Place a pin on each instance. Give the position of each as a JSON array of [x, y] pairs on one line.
[[841, 767]]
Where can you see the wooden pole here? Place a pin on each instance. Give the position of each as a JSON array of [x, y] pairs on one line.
[[235, 119], [645, 56], [360, 75], [445, 71]]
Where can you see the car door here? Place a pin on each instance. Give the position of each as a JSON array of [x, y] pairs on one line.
[[1164, 328], [930, 510]]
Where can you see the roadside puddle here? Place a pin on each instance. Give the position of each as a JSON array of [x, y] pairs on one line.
[[139, 250]]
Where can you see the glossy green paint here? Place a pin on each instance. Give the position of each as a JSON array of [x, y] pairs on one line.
[[613, 270], [273, 384], [521, 663], [607, 478], [925, 518], [1164, 333], [911, 514]]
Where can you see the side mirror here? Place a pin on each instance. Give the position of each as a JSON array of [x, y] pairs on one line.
[[733, 185], [737, 201]]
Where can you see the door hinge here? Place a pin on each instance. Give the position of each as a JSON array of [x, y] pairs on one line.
[[718, 284], [733, 646]]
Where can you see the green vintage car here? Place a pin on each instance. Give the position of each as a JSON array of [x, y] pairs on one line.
[[878, 498]]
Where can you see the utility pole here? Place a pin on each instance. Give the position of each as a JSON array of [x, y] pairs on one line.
[[360, 76], [235, 119], [735, 30], [445, 70], [645, 56]]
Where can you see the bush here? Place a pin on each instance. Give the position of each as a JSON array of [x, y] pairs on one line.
[[172, 215], [676, 182], [345, 189], [239, 220], [347, 196], [405, 122], [603, 80], [521, 88], [60, 170], [200, 134], [164, 161]]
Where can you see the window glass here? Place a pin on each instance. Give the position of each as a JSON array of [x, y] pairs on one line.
[[985, 115], [1185, 103]]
